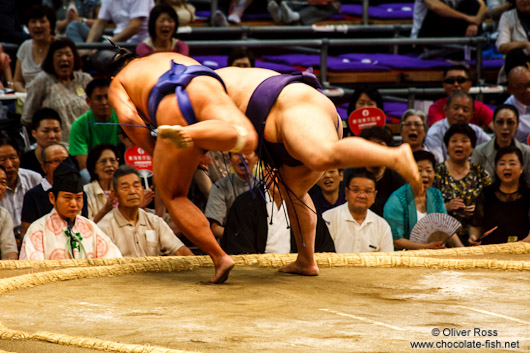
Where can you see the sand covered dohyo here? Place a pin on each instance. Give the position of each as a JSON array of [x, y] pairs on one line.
[[360, 302]]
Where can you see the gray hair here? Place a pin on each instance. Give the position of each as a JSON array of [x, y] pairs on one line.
[[413, 112], [123, 170]]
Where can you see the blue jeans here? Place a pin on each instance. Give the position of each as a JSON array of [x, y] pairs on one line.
[[77, 31]]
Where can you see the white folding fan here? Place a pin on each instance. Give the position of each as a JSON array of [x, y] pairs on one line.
[[434, 227]]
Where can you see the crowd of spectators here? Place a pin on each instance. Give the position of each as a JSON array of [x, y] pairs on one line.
[[474, 162]]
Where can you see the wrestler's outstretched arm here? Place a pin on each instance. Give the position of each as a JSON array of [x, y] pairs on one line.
[[127, 114]]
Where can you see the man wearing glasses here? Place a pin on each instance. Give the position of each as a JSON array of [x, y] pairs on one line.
[[352, 226], [458, 78]]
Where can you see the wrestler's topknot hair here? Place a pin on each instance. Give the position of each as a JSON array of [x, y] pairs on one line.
[[119, 60]]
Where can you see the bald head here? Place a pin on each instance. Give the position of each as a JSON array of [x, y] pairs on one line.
[[519, 84]]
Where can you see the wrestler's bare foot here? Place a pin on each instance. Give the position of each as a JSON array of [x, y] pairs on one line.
[[222, 269], [176, 134], [407, 167], [300, 269]]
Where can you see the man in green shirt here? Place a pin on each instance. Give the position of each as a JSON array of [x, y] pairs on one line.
[[86, 133]]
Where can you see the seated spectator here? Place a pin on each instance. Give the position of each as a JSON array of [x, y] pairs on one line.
[[257, 223], [289, 11], [365, 97], [505, 122], [185, 11], [36, 200], [458, 78], [387, 180], [8, 244], [102, 162], [46, 129], [519, 89], [413, 129], [6, 75], [74, 17], [163, 25], [457, 18], [241, 57], [61, 86], [85, 134], [40, 22], [130, 18], [235, 9], [459, 108], [459, 181], [498, 7], [512, 39], [403, 210], [352, 226], [327, 193], [19, 180], [136, 232], [224, 191], [11, 23], [63, 233], [503, 209]]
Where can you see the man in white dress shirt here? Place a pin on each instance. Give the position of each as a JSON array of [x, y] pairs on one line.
[[352, 226]]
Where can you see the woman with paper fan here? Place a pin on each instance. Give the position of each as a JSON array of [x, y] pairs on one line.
[[403, 210], [460, 181], [502, 212]]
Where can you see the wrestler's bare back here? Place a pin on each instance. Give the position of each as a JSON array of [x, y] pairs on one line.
[[296, 100]]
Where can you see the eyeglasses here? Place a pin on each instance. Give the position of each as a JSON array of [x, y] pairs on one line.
[[509, 122], [411, 123], [452, 80], [106, 160], [358, 191]]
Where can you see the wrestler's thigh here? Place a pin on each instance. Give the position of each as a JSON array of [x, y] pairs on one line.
[[173, 168], [307, 133]]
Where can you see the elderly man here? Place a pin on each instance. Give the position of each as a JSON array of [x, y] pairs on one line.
[[458, 78], [8, 244], [63, 233], [519, 88], [136, 232], [506, 122], [352, 226], [19, 180], [459, 108]]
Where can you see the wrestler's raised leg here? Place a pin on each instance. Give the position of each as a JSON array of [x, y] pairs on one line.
[[310, 136], [173, 170], [302, 217]]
